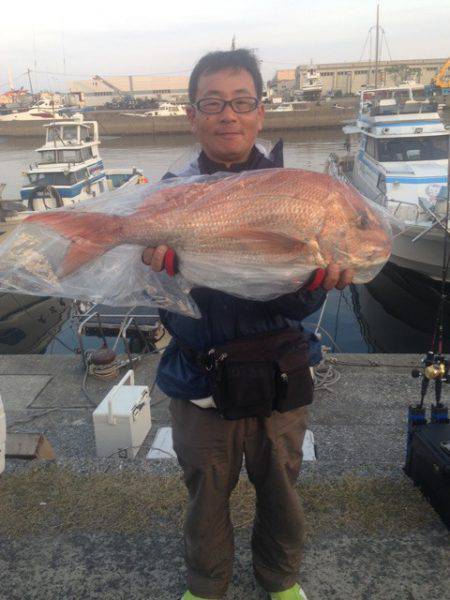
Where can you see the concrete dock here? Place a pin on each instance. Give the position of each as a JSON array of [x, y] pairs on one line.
[[123, 122], [82, 527]]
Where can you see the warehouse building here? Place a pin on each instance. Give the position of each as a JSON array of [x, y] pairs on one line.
[[350, 77], [98, 90]]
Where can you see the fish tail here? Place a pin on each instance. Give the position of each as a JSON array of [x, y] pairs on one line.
[[91, 235]]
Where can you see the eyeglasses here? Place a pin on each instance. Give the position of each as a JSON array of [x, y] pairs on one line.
[[214, 106]]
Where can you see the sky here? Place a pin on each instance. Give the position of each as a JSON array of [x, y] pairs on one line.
[[62, 42]]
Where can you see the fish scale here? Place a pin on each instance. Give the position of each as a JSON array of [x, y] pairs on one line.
[[268, 219]]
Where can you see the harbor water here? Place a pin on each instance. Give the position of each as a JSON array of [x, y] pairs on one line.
[[394, 313]]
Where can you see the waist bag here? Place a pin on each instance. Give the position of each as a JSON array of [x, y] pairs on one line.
[[251, 377]]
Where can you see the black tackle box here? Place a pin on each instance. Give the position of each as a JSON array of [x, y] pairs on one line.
[[428, 465]]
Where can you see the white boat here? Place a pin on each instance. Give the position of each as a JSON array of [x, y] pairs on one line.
[[402, 164], [288, 107], [165, 109], [311, 88], [29, 323], [70, 169], [45, 109]]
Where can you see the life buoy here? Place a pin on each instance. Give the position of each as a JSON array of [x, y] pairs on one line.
[[50, 198]]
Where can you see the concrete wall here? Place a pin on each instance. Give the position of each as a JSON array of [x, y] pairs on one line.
[[116, 123]]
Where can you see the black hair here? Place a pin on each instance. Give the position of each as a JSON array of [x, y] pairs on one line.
[[230, 59]]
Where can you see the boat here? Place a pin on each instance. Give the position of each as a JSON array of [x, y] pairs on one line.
[[28, 323], [312, 85], [69, 170], [397, 311], [165, 109], [48, 107], [288, 107], [402, 164]]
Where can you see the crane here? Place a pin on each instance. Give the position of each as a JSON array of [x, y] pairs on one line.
[[442, 80]]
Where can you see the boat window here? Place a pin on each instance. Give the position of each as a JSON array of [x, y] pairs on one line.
[[84, 134], [417, 148], [69, 156], [37, 178], [86, 153], [49, 179], [70, 133], [82, 174], [370, 147], [47, 156], [53, 133], [419, 94]]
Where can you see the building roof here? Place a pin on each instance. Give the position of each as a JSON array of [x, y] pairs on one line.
[[130, 83], [382, 63]]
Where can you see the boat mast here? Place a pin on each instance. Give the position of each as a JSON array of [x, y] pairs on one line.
[[29, 79], [376, 46]]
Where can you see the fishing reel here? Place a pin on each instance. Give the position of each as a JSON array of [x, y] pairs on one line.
[[436, 368]]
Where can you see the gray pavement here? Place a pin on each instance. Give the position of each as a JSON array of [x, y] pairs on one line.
[[359, 428]]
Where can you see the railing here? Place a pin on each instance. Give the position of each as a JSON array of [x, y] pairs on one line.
[[407, 108]]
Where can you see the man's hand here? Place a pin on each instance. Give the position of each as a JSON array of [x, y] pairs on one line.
[[337, 278], [154, 257]]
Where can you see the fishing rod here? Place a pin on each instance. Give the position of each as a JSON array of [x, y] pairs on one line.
[[436, 367], [427, 460]]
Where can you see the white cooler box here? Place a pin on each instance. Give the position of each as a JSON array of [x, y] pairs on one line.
[[2, 436], [122, 419]]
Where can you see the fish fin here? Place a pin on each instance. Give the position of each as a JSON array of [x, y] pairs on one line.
[[266, 241], [91, 235]]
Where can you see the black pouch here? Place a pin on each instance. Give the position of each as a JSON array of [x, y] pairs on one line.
[[251, 377]]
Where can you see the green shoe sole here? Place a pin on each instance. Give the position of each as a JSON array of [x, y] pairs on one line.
[[293, 593]]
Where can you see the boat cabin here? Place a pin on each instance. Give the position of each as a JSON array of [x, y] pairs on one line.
[[69, 165], [403, 147], [395, 100]]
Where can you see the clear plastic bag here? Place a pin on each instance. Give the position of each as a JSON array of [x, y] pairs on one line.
[[257, 234]]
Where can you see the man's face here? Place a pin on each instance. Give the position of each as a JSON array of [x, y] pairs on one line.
[[227, 137]]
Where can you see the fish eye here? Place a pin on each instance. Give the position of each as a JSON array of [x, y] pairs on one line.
[[362, 222]]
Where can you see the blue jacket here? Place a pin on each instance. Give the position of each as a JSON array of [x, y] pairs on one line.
[[225, 317]]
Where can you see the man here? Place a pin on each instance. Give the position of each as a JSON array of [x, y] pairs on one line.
[[226, 115]]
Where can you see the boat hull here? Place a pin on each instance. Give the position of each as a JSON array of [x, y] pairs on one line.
[[424, 255]]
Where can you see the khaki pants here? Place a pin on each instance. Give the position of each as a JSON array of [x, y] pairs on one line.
[[210, 451]]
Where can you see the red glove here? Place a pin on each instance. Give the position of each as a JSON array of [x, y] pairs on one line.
[[316, 280], [171, 262]]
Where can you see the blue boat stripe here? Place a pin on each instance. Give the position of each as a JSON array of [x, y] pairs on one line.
[[76, 189], [416, 179], [65, 192]]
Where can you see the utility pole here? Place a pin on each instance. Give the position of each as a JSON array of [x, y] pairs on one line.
[[233, 43], [29, 79], [376, 45]]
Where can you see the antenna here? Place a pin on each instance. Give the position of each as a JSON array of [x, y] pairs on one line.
[[29, 79], [377, 44], [62, 47], [10, 79], [34, 61]]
